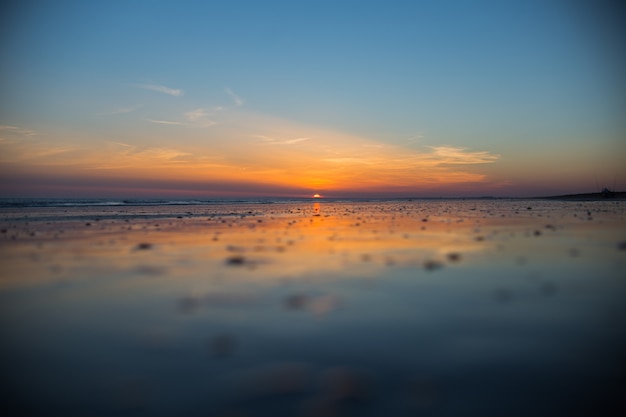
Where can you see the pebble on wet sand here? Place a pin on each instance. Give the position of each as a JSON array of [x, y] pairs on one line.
[[431, 265], [235, 260], [296, 301], [454, 257], [574, 252]]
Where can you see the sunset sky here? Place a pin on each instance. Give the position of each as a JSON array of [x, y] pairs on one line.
[[292, 98]]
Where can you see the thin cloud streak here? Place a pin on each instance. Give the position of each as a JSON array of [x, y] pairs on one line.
[[195, 118], [294, 141], [161, 89], [461, 156], [164, 122], [271, 141], [238, 100], [17, 130], [200, 117], [348, 160]]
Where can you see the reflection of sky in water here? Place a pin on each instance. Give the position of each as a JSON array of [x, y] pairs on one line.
[[395, 309]]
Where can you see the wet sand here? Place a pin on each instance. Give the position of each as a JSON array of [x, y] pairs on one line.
[[325, 308]]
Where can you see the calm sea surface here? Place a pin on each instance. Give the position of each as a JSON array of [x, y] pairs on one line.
[[312, 307]]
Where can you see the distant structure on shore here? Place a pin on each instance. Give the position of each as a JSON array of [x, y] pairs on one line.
[[606, 193]]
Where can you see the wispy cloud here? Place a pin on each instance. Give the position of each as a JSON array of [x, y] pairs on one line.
[[161, 89], [415, 138], [199, 117], [17, 130], [461, 156], [122, 145], [272, 141], [166, 154], [347, 160], [165, 122], [294, 141], [146, 158], [238, 100]]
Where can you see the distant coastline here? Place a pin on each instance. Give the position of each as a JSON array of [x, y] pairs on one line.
[[617, 195]]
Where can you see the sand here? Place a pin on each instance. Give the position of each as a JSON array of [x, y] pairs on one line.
[[491, 307]]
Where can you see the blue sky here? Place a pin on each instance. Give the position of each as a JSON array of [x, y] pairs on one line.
[[536, 86]]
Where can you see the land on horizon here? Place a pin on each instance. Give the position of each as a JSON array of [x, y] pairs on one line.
[[613, 195]]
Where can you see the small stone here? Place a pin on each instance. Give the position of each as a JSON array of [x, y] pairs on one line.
[[236, 260], [296, 301], [574, 252], [432, 265], [454, 257]]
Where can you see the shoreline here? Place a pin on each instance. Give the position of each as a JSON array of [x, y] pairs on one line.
[[8, 203]]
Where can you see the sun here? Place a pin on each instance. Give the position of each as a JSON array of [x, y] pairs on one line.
[[317, 196]]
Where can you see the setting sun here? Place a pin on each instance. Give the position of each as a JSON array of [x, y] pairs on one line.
[[317, 196]]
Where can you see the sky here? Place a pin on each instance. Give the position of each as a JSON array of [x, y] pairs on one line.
[[346, 98]]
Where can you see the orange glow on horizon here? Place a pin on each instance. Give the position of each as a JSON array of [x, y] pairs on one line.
[[284, 159]]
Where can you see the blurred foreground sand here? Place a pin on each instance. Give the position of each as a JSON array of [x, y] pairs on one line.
[[439, 307]]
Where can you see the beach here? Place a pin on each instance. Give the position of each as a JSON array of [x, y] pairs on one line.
[[314, 308]]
